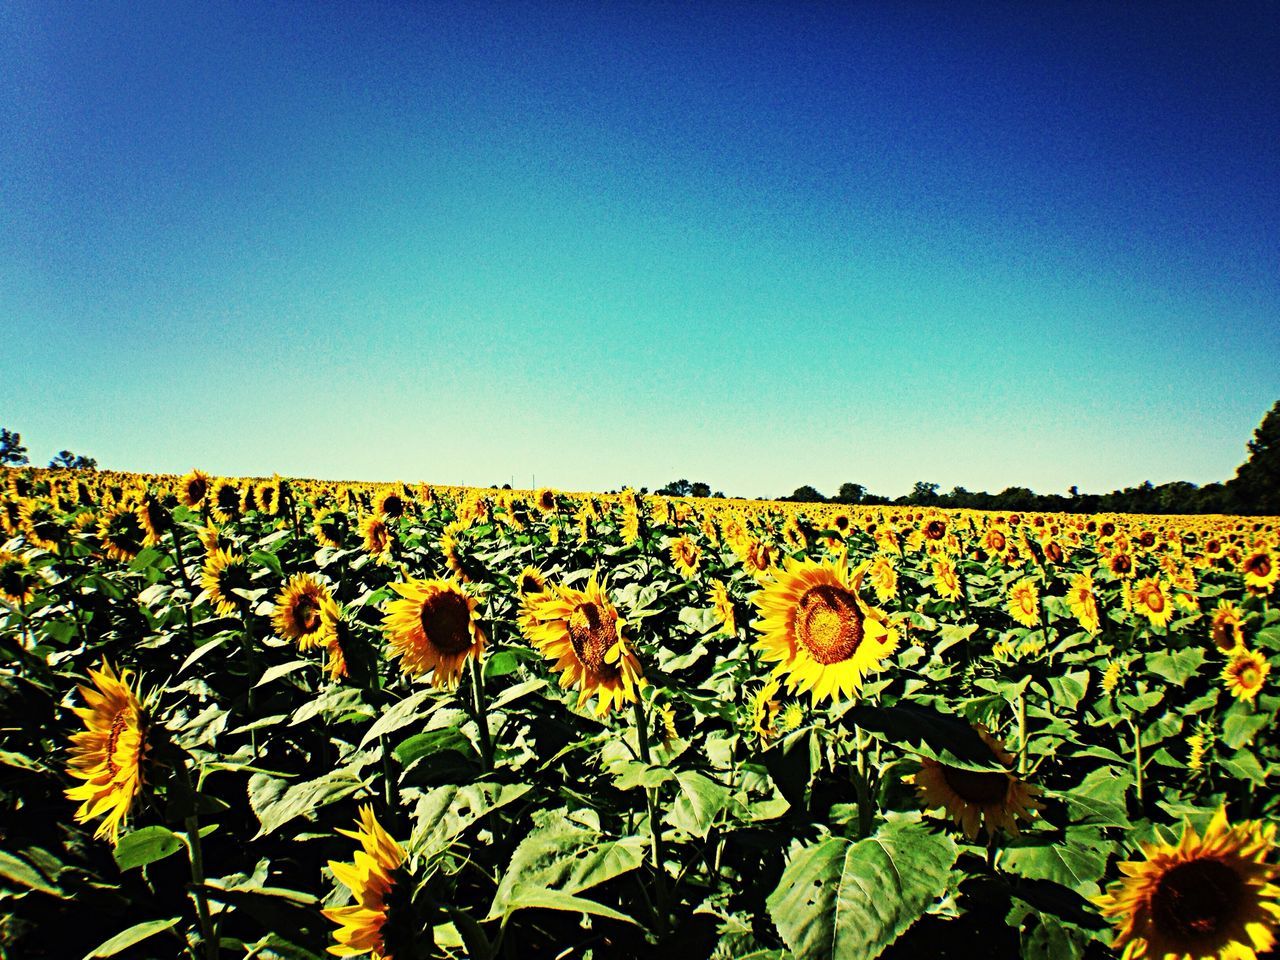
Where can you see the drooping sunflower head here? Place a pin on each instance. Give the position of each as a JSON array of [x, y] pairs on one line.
[[122, 534], [267, 497], [298, 607], [110, 753], [433, 627], [330, 528], [40, 523], [583, 633], [1245, 674], [1083, 602], [374, 878], [18, 581], [223, 574], [685, 556], [335, 637], [193, 488], [722, 603], [978, 800], [1201, 897], [814, 624], [764, 709]]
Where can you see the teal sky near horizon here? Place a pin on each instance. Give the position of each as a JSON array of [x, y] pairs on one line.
[[759, 245]]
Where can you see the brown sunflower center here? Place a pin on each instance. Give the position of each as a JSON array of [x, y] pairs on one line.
[[829, 623], [306, 614], [113, 738], [1259, 565], [974, 786], [1122, 563], [997, 540], [935, 529], [593, 632], [1196, 899], [446, 620], [1054, 553]]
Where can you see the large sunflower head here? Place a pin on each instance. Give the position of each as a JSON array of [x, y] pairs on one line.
[[108, 754], [193, 488], [373, 877], [978, 800], [814, 624], [298, 606], [225, 572], [122, 534], [1201, 897], [433, 626], [582, 632], [1245, 674]]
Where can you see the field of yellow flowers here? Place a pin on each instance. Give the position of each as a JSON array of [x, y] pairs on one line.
[[290, 719]]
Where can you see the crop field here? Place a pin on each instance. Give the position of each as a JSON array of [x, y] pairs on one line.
[[293, 719]]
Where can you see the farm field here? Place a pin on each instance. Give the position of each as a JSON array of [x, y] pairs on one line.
[[293, 719]]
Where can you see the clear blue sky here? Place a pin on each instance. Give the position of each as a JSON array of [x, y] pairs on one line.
[[754, 244]]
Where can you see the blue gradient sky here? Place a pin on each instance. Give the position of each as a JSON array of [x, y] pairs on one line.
[[755, 244]]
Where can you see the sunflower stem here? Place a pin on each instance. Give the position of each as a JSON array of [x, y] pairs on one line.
[[481, 708], [862, 786], [1137, 761], [181, 563], [195, 856], [1022, 733], [655, 829]]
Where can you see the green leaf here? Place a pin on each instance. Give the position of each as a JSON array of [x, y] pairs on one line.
[[421, 745], [1176, 667], [305, 798], [845, 900], [282, 669], [268, 560], [447, 811], [559, 857], [1099, 799], [141, 847], [1239, 728], [399, 715], [945, 738], [700, 801], [1077, 861], [559, 900], [135, 934], [24, 874]]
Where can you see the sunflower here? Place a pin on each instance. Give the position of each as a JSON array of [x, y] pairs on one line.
[[986, 800], [267, 497], [756, 555], [17, 580], [1151, 599], [433, 627], [297, 613], [994, 541], [379, 539], [1260, 571], [40, 523], [814, 624], [1024, 602], [108, 755], [194, 486], [449, 544], [884, 578], [371, 877], [685, 556], [723, 605], [223, 573], [1083, 602], [629, 523], [530, 580], [764, 709], [793, 534], [225, 500], [1199, 745], [1226, 628], [155, 519], [334, 636], [1202, 897], [1121, 565], [582, 632], [946, 583], [545, 500], [330, 528], [1245, 673], [122, 534]]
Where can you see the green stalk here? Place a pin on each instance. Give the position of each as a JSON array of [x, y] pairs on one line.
[[1022, 733], [181, 563], [481, 709], [862, 786], [655, 829], [1137, 761], [195, 855]]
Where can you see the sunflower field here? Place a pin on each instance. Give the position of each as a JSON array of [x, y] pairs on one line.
[[294, 719]]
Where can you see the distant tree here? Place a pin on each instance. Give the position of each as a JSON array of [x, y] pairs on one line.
[[719, 494], [644, 490], [66, 460], [1256, 486], [677, 488], [923, 493], [699, 489], [12, 452], [1074, 491], [807, 494], [850, 493], [1014, 498]]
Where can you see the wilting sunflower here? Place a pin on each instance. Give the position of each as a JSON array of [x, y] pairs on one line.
[[1227, 626], [946, 582], [108, 756], [530, 580], [223, 573], [371, 877], [433, 627], [18, 581], [723, 605], [1260, 571], [1024, 603], [297, 613], [1245, 674], [194, 486], [1151, 599], [685, 556], [379, 539], [583, 633], [814, 624], [122, 534], [1200, 898], [986, 800], [1083, 602]]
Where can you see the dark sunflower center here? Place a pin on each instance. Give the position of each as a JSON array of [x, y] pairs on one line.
[[935, 529], [1259, 565], [228, 498], [529, 585], [1054, 553], [997, 540], [446, 620], [306, 614], [196, 490], [393, 506], [1147, 538], [1197, 899], [1213, 546], [233, 577], [974, 786], [829, 623], [593, 632], [1108, 529], [1122, 563], [113, 738]]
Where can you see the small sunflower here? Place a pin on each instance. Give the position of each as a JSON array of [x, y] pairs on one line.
[[433, 626], [530, 580], [1202, 897], [1084, 602], [545, 500], [223, 573], [109, 754], [225, 500], [379, 539], [122, 534], [1245, 674], [1151, 599], [194, 486], [371, 877], [765, 707], [155, 519], [390, 505], [297, 613], [884, 578], [685, 556], [334, 636], [978, 800], [1024, 603], [1226, 628], [1111, 676], [18, 581], [583, 633], [723, 606], [822, 635], [946, 582], [330, 528], [1261, 570], [40, 523]]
